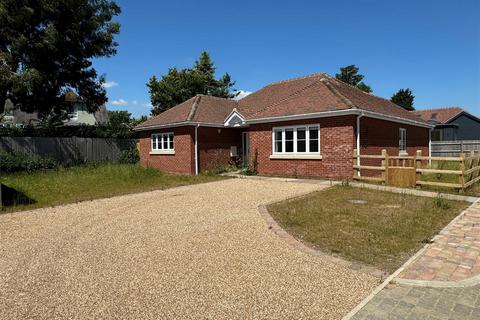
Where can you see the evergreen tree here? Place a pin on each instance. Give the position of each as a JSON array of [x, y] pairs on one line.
[[350, 75], [178, 86], [404, 98], [46, 50]]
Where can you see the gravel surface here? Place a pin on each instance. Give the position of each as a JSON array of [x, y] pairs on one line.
[[194, 252]]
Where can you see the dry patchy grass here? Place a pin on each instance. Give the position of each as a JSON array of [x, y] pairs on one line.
[[384, 232]]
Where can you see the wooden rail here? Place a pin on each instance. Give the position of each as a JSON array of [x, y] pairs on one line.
[[405, 170]]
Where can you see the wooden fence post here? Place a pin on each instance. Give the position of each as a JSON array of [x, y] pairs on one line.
[[385, 164], [418, 165]]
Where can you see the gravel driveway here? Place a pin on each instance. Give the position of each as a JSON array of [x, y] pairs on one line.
[[194, 252]]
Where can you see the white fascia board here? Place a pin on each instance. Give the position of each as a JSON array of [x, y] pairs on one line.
[[179, 124], [336, 113], [381, 116]]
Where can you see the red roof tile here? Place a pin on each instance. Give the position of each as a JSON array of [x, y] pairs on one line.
[[441, 115], [314, 93], [200, 108]]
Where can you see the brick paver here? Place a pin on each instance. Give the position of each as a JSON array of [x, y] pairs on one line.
[[454, 254], [408, 302]]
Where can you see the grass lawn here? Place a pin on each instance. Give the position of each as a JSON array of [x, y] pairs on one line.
[[383, 232], [62, 186]]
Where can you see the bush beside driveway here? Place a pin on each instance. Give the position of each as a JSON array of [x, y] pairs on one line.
[[193, 252]]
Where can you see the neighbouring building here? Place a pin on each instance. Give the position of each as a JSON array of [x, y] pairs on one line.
[[77, 114], [307, 126], [451, 124]]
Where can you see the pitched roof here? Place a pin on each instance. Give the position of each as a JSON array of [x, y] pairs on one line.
[[305, 95], [314, 93], [439, 115], [199, 108]]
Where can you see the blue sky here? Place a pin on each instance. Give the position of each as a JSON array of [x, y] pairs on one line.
[[432, 47]]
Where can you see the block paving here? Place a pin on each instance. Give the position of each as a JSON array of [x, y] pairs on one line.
[[408, 302], [454, 254]]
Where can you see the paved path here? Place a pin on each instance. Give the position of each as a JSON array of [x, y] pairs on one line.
[[454, 254], [443, 282], [195, 252]]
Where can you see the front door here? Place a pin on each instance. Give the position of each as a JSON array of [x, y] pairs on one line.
[[245, 148]]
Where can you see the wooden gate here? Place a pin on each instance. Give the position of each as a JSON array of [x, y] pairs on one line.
[[401, 172]]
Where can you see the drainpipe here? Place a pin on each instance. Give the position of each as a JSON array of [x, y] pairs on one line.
[[358, 141], [196, 149]]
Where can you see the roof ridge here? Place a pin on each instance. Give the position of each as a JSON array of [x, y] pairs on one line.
[[337, 93], [297, 78], [213, 97], [438, 109], [193, 110]]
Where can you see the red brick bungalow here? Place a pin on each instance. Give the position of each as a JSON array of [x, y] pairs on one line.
[[306, 126]]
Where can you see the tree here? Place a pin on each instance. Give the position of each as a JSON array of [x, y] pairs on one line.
[[350, 75], [46, 48], [404, 98], [178, 86], [119, 119]]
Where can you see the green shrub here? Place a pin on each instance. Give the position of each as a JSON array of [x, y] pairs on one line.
[[130, 156], [16, 162]]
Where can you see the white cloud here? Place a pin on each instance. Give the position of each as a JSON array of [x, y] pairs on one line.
[[242, 94], [119, 102], [147, 105], [109, 84], [134, 102]]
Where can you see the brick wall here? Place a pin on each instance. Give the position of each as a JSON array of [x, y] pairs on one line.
[[337, 140], [214, 146], [380, 134], [180, 162]]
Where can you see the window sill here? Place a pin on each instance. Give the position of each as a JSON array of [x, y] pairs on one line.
[[297, 156], [167, 152]]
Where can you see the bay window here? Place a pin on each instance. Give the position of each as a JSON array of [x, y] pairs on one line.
[[296, 140]]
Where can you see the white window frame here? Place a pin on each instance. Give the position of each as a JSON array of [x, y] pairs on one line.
[[295, 154], [402, 140], [159, 139]]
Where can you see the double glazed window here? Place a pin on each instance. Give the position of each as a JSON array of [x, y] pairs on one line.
[[298, 139], [402, 143], [162, 141]]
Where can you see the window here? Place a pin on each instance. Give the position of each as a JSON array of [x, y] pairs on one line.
[[297, 140], [162, 141], [402, 143]]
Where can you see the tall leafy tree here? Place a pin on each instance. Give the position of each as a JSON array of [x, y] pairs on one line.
[[404, 98], [46, 50], [119, 118], [350, 75], [178, 86]]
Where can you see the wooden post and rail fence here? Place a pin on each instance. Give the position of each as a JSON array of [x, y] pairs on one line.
[[418, 170]]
